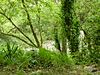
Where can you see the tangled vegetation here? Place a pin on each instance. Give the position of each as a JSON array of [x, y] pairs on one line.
[[49, 37]]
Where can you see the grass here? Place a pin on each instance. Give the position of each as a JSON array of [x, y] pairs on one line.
[[15, 61], [47, 59]]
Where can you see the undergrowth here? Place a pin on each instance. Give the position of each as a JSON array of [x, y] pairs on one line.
[[13, 58], [48, 59], [16, 60]]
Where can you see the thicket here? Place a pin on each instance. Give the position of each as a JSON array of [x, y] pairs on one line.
[[73, 25]]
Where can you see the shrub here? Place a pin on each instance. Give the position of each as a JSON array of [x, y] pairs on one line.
[[11, 54], [47, 58], [87, 57]]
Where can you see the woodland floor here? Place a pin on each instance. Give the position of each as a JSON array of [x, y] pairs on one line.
[[78, 70]]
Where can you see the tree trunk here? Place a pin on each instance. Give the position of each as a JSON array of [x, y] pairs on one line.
[[57, 42], [70, 30]]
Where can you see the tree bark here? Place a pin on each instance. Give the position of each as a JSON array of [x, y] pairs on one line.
[[70, 30]]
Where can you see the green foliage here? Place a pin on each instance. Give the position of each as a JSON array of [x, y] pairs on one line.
[[44, 15], [11, 54], [48, 59], [85, 57]]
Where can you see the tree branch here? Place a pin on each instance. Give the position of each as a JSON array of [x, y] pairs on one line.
[[30, 23], [18, 38], [11, 30], [17, 28]]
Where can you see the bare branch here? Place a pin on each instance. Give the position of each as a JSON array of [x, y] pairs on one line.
[[17, 28], [11, 30], [18, 38], [29, 20]]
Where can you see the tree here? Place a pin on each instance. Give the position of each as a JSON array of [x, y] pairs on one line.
[[70, 28], [28, 21]]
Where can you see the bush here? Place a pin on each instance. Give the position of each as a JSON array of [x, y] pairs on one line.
[[47, 59], [87, 57], [11, 54]]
